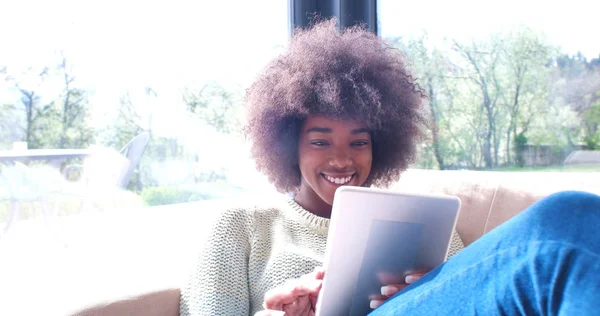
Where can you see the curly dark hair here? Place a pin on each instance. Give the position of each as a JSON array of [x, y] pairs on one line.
[[348, 74]]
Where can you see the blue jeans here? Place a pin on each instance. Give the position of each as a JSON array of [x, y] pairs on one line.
[[544, 261]]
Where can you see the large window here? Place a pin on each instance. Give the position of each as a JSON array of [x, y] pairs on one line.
[[80, 75], [513, 85]]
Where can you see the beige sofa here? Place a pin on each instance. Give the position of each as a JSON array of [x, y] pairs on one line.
[[488, 199]]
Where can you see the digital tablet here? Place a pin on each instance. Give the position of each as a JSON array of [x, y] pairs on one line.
[[375, 238]]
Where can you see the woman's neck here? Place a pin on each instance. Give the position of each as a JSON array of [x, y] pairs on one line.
[[312, 202]]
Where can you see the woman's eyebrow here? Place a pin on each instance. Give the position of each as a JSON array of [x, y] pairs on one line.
[[319, 130], [360, 130]]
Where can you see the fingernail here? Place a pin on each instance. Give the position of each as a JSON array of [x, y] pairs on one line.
[[389, 290], [374, 304], [411, 279]]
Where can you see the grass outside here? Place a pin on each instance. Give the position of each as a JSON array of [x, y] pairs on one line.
[[61, 206], [571, 168]]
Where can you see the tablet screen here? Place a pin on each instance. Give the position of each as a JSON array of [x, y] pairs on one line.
[[392, 248]]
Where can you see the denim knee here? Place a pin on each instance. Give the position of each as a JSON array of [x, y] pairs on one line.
[[567, 211]]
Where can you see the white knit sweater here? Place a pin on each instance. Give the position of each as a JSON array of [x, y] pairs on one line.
[[250, 251]]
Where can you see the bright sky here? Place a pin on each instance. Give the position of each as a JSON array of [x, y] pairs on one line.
[[570, 24], [118, 45]]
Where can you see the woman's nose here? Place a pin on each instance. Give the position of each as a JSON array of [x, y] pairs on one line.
[[340, 159]]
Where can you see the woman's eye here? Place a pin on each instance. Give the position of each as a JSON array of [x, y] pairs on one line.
[[360, 143], [319, 143]]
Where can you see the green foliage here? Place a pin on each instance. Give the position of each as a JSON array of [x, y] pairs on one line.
[[592, 142], [521, 139], [125, 126], [49, 110], [7, 131], [520, 142], [74, 110], [216, 106], [591, 117], [579, 89], [572, 66], [483, 93], [153, 196]]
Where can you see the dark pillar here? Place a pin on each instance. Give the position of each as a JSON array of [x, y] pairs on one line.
[[348, 12]]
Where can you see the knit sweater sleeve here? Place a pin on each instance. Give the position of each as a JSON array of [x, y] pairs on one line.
[[456, 244], [219, 283]]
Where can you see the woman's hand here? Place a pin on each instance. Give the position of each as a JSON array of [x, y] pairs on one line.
[[295, 297], [391, 289]]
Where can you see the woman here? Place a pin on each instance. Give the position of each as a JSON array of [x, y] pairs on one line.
[[342, 109], [334, 109]]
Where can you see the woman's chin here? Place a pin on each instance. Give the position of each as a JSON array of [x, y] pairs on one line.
[[330, 197], [327, 197]]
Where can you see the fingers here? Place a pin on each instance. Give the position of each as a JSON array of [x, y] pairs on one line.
[[306, 287], [375, 303], [299, 307], [307, 306], [386, 292], [319, 273], [289, 292], [413, 277], [391, 289]]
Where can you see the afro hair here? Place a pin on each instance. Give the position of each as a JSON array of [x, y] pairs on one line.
[[347, 74]]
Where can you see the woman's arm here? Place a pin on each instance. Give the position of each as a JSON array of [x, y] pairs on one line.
[[219, 282]]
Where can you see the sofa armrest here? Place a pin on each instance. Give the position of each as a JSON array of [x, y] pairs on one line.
[[158, 303]]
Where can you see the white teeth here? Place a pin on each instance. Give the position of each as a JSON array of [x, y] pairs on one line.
[[338, 180]]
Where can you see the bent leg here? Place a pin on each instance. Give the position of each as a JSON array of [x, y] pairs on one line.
[[544, 261]]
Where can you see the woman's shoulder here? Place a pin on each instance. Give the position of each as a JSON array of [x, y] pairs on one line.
[[237, 221], [245, 219], [251, 209]]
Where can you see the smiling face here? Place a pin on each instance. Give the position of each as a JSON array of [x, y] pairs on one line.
[[331, 153]]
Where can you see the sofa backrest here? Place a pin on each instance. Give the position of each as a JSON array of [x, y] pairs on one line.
[[491, 198]]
